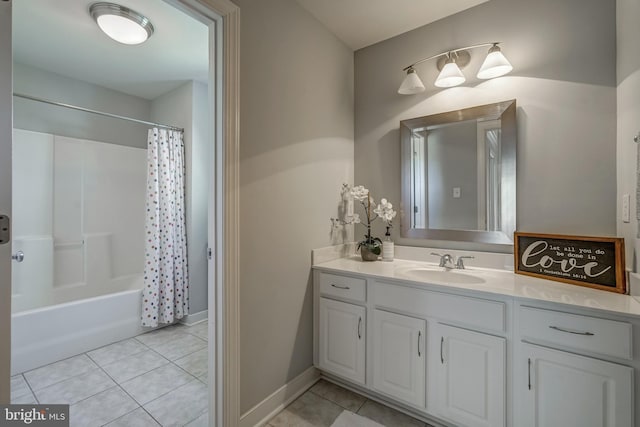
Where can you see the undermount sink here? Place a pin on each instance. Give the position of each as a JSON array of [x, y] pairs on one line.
[[442, 276]]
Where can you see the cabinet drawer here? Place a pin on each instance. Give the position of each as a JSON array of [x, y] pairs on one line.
[[591, 334], [473, 312], [343, 287]]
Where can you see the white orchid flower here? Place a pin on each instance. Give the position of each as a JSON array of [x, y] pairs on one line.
[[359, 193]]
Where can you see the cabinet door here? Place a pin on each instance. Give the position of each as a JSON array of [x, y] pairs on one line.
[[399, 356], [563, 389], [342, 339], [471, 377]]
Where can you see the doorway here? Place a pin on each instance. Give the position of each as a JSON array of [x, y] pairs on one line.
[[216, 220]]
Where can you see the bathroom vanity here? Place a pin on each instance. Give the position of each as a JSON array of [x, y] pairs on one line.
[[478, 347]]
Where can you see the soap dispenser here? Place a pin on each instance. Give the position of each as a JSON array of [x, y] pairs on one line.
[[387, 247]]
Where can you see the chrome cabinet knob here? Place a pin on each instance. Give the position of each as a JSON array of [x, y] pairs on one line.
[[18, 256]]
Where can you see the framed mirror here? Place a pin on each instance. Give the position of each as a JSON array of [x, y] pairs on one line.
[[459, 175]]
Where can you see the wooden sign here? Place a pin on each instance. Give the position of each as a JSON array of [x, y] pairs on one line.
[[595, 262]]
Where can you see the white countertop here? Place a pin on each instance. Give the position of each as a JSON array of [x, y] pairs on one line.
[[500, 282]]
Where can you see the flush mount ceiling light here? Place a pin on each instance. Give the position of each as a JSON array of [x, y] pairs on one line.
[[121, 23], [449, 64]]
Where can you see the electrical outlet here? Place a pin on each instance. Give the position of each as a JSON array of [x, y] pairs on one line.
[[456, 192], [626, 202]]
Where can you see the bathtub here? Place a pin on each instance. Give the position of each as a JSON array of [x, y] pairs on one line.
[[44, 335]]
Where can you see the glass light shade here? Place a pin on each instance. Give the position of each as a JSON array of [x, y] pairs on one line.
[[122, 29], [494, 65], [450, 75], [411, 84]]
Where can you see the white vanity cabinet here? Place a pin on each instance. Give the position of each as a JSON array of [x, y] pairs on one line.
[[399, 345], [471, 377], [536, 354], [562, 377], [342, 339], [564, 389], [342, 326]]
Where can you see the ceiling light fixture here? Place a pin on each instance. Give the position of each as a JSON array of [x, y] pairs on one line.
[[449, 64], [121, 23]]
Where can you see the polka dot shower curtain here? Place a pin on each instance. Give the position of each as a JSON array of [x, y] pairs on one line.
[[166, 280]]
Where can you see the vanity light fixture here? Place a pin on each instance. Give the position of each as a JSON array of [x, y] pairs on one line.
[[121, 23], [449, 64]]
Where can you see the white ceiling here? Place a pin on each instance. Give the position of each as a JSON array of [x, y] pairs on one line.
[[61, 37], [360, 23]]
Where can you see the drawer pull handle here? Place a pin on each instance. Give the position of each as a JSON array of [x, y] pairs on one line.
[[529, 367], [441, 354], [419, 337], [589, 334], [340, 287], [359, 324]]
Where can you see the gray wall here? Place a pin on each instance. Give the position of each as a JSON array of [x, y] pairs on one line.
[[452, 162], [45, 118], [187, 107], [296, 150], [564, 80], [628, 124]]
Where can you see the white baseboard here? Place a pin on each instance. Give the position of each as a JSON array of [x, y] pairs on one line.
[[192, 319], [260, 414]]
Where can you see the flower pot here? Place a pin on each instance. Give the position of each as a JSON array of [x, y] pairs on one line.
[[367, 255]]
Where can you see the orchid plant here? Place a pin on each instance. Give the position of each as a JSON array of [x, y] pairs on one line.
[[383, 210]]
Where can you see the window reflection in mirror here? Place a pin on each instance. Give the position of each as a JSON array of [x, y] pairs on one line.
[[459, 175]]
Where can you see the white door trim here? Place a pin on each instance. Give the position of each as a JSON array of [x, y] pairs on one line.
[[6, 130], [224, 292]]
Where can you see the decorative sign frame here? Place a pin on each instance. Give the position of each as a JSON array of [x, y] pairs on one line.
[[594, 262]]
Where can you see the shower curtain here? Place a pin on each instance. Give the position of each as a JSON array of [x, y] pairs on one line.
[[166, 280]]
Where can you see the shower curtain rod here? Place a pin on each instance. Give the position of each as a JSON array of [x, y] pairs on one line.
[[100, 113]]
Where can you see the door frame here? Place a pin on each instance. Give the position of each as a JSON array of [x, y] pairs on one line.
[[224, 349], [223, 288], [6, 130]]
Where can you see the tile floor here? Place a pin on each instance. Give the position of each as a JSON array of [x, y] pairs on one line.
[[322, 403], [159, 379], [155, 379]]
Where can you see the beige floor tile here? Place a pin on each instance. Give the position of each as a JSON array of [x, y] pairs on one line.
[[387, 416], [180, 406], [156, 383], [59, 371], [101, 408], [180, 346], [134, 365], [117, 351], [309, 410], [195, 363], [341, 396], [137, 418], [75, 389]]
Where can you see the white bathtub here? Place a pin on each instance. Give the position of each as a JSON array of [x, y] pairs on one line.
[[45, 335]]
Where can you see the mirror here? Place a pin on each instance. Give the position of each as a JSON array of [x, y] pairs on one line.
[[459, 175]]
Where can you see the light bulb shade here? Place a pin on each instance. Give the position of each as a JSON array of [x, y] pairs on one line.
[[411, 84], [121, 23], [450, 75], [494, 65]]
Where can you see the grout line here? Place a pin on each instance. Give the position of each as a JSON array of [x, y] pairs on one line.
[[28, 386], [131, 397], [58, 361], [361, 405], [89, 397]]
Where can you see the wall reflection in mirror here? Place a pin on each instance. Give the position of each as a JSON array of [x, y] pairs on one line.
[[459, 175]]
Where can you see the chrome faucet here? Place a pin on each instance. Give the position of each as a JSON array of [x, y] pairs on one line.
[[446, 260], [460, 263]]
